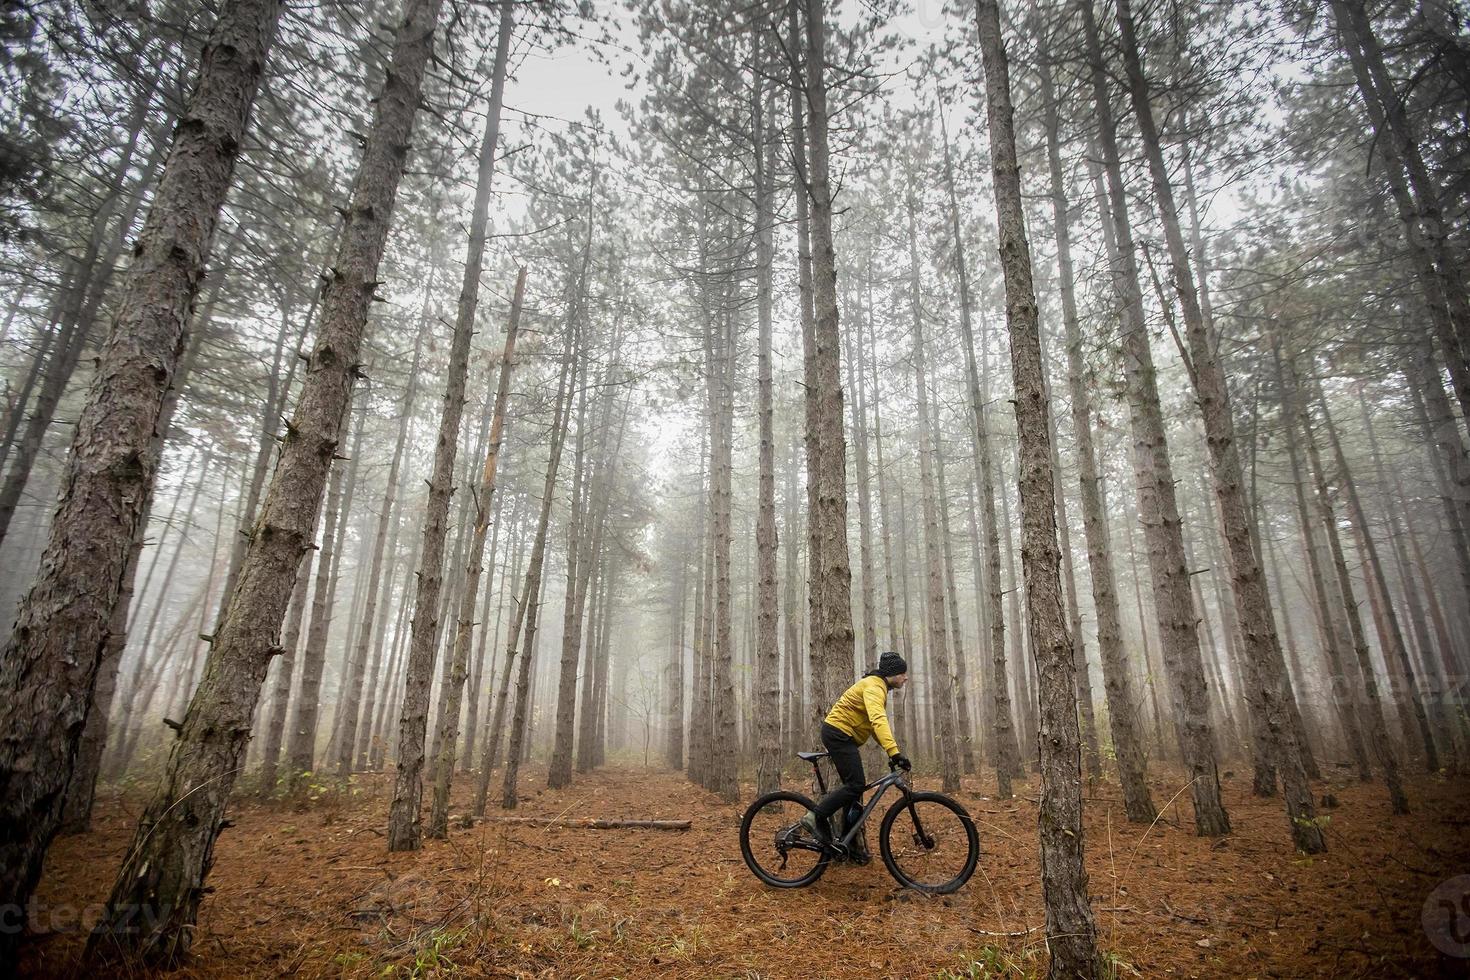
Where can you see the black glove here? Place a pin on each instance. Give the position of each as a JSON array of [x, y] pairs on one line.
[[900, 761]]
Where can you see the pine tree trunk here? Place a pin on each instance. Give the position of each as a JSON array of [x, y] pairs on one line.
[[1157, 505], [1266, 684], [832, 633], [464, 629], [797, 732], [938, 646], [404, 812], [369, 637], [767, 639], [1439, 264], [960, 680], [856, 381], [1004, 751], [566, 383], [1377, 727], [301, 747], [579, 570], [1396, 650], [51, 661], [724, 749], [174, 847], [82, 789], [1070, 931], [493, 593], [1343, 697], [587, 720], [531, 596]]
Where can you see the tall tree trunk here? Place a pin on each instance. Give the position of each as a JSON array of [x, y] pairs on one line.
[[301, 748], [174, 847], [1005, 751], [494, 591], [1377, 727], [1344, 699], [485, 495], [565, 385], [767, 639], [403, 813], [724, 750], [82, 789], [832, 633], [960, 680], [1439, 265], [1091, 753], [529, 609], [796, 729], [938, 646], [1266, 687], [1396, 650], [1158, 508], [579, 570], [50, 664], [82, 297], [1070, 930]]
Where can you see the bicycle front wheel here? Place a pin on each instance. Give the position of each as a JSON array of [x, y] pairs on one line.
[[929, 843], [777, 848]]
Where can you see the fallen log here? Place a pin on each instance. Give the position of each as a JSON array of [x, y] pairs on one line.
[[585, 823]]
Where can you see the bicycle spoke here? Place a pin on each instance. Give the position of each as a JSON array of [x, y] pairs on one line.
[[930, 845], [783, 848]]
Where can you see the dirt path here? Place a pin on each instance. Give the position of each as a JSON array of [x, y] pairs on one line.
[[315, 893]]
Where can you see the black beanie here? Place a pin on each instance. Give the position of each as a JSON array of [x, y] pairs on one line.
[[891, 665]]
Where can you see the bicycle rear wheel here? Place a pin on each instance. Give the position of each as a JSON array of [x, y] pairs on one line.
[[777, 848], [929, 843]]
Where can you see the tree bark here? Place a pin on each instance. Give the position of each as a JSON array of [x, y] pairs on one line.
[[566, 383], [464, 630], [767, 641], [50, 664], [939, 681], [1005, 751], [174, 847], [531, 597], [1377, 727], [1340, 688], [1070, 930], [832, 632], [1153, 472], [1396, 648], [1266, 687]]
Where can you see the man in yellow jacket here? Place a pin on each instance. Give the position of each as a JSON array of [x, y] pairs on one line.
[[861, 713]]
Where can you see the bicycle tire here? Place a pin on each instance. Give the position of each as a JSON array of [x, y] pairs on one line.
[[746, 851], [885, 844]]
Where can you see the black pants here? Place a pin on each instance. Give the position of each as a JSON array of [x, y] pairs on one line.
[[849, 763]]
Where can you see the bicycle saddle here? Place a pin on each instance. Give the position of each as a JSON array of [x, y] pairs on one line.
[[811, 756]]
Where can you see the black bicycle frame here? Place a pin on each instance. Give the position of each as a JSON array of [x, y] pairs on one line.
[[894, 778]]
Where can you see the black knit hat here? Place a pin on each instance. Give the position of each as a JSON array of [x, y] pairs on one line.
[[891, 665]]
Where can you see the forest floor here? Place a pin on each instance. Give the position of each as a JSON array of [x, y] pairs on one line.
[[312, 891]]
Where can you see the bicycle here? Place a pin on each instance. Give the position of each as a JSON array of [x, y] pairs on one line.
[[937, 844]]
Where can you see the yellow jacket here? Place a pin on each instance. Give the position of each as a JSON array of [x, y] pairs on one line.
[[860, 713]]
